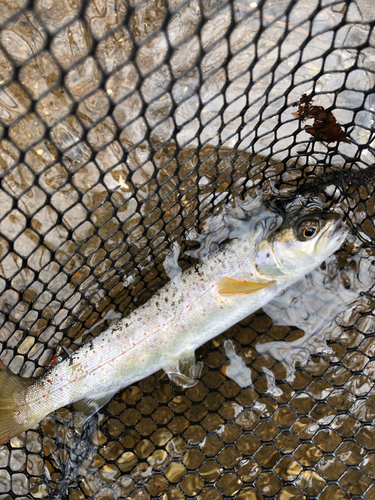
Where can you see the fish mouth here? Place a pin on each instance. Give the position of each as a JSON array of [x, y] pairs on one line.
[[339, 227]]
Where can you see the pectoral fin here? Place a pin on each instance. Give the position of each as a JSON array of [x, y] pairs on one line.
[[184, 370], [232, 286]]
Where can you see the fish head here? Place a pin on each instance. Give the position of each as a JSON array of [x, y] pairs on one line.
[[300, 244]]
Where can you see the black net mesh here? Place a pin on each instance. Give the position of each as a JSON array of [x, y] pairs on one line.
[[123, 125]]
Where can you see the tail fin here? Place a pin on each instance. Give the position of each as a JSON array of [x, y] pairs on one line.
[[10, 385]]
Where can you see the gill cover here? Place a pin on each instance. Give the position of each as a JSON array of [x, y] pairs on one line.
[[300, 244]]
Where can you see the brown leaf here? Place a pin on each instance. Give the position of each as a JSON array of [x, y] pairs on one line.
[[325, 127]]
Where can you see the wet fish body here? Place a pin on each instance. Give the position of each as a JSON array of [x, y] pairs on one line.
[[200, 304], [183, 315]]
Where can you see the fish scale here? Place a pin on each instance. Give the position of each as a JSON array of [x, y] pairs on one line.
[[205, 300], [183, 315]]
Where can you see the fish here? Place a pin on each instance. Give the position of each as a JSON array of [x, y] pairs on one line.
[[225, 287]]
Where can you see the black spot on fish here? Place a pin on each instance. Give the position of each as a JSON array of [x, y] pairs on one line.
[[166, 300], [267, 255]]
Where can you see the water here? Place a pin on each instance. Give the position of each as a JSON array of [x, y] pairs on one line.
[[286, 354], [285, 402]]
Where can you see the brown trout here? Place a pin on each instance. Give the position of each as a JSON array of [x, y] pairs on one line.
[[221, 290]]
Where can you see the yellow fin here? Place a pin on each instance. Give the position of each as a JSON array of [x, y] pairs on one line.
[[231, 286]]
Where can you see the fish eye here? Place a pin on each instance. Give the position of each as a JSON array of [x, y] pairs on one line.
[[307, 230]]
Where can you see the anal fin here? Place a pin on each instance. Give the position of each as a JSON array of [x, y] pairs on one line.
[[233, 286], [89, 406]]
